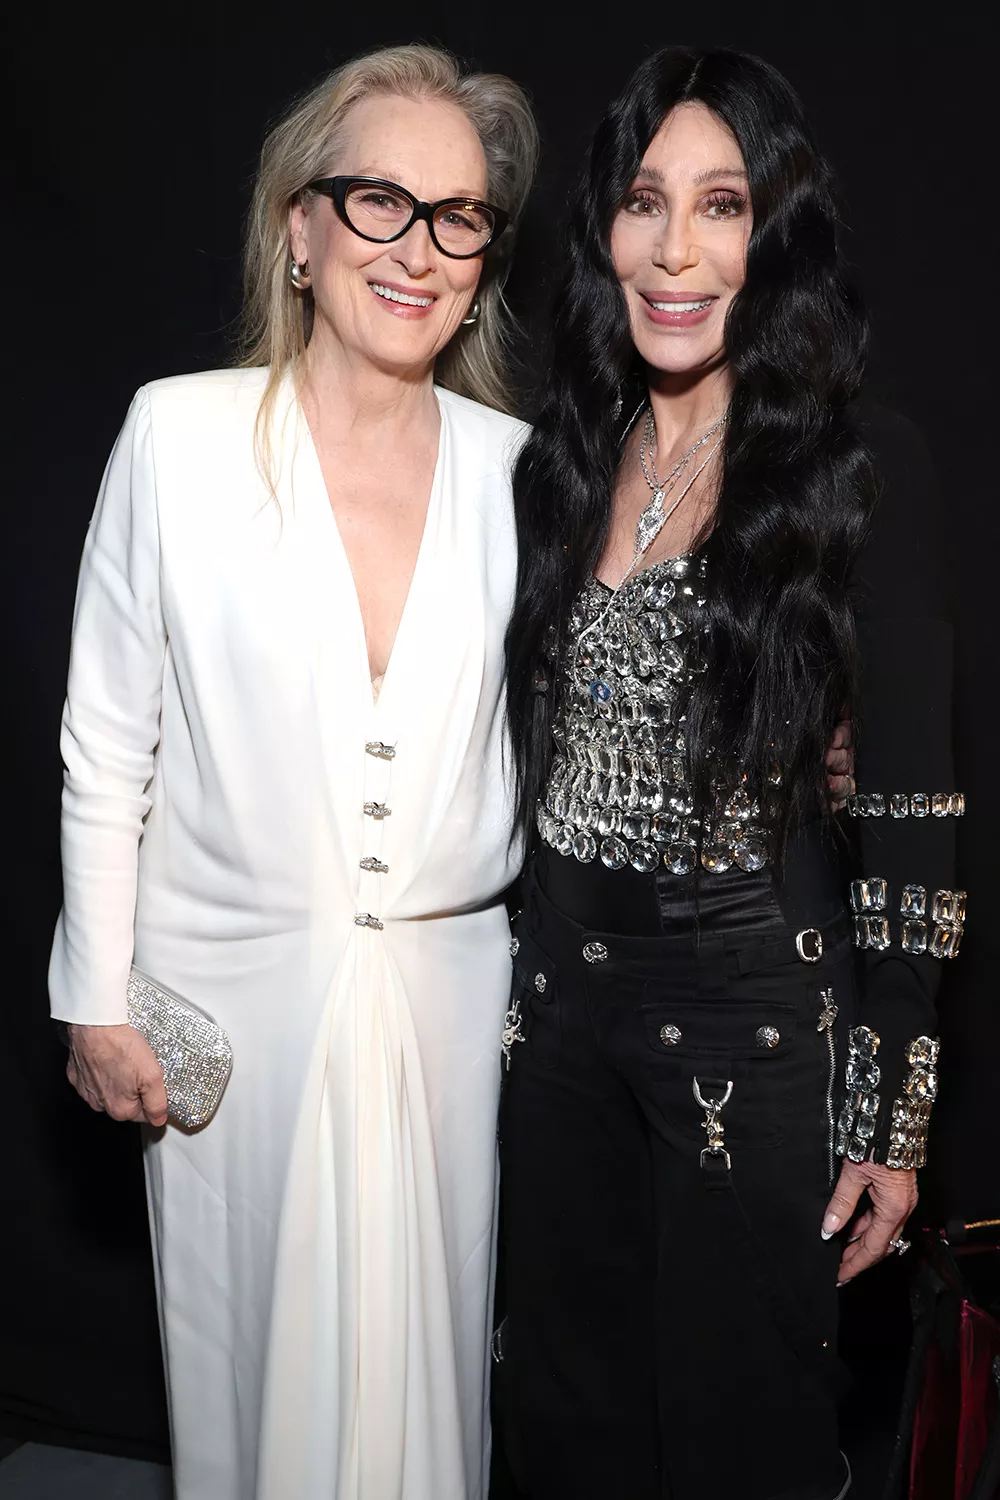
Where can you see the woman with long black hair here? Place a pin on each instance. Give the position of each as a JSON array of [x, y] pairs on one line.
[[720, 549]]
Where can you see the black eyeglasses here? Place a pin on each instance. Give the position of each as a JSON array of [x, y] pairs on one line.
[[383, 211]]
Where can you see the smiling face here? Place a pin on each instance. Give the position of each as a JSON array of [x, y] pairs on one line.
[[679, 241], [395, 305]]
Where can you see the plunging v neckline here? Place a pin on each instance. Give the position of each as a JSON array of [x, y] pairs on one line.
[[377, 685]]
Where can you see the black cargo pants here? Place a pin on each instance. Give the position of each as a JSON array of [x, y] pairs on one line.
[[666, 1140]]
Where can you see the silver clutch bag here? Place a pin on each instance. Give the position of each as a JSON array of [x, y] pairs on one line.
[[194, 1052]]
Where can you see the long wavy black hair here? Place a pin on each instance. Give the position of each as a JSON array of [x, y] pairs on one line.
[[796, 487]]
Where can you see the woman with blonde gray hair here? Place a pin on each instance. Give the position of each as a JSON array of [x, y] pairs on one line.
[[284, 801]]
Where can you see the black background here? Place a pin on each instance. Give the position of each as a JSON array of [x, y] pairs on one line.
[[135, 151]]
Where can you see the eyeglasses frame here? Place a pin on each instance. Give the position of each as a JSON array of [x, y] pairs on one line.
[[337, 188]]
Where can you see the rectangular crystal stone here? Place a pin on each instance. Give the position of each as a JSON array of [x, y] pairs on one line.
[[868, 895], [943, 907], [914, 901], [920, 804], [960, 908], [914, 937], [878, 933], [944, 942], [922, 1085], [860, 932], [852, 806], [956, 804], [863, 1042], [941, 804], [899, 804], [876, 805]]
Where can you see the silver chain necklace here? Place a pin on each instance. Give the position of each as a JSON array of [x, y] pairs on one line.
[[655, 516]]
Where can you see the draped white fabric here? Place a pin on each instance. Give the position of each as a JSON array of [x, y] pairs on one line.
[[324, 1247]]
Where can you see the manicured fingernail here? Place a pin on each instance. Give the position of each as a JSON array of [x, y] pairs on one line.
[[840, 1284], [830, 1226]]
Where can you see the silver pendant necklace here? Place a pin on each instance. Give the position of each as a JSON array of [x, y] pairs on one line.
[[656, 515]]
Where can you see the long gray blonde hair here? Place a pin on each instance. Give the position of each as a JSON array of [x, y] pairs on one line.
[[277, 317]]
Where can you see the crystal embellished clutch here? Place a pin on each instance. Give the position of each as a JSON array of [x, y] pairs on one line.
[[194, 1052]]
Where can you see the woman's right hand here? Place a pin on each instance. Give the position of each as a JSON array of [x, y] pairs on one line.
[[115, 1070], [840, 766]]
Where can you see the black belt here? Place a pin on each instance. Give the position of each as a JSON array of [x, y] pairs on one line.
[[808, 947], [570, 942]]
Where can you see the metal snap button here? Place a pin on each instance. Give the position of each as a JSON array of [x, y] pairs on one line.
[[514, 946], [595, 953], [768, 1036], [670, 1035], [540, 983]]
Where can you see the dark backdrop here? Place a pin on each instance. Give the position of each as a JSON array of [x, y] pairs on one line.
[[134, 157]]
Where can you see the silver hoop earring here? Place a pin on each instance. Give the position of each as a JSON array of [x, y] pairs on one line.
[[473, 314], [300, 275]]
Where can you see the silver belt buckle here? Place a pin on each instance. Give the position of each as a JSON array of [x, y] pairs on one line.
[[809, 945]]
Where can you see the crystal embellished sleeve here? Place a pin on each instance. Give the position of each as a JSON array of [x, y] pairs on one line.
[[908, 913]]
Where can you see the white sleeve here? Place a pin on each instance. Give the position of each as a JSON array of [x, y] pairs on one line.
[[110, 729]]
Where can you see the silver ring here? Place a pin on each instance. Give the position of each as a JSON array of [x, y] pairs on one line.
[[899, 1245]]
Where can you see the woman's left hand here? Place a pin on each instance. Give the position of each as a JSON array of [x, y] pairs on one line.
[[893, 1195]]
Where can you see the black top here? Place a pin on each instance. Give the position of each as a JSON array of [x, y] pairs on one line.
[[626, 850]]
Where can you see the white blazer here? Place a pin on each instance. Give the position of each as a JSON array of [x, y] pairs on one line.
[[324, 1246]]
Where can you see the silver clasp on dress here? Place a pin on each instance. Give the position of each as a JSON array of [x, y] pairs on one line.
[[712, 1124], [511, 1030], [365, 919]]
